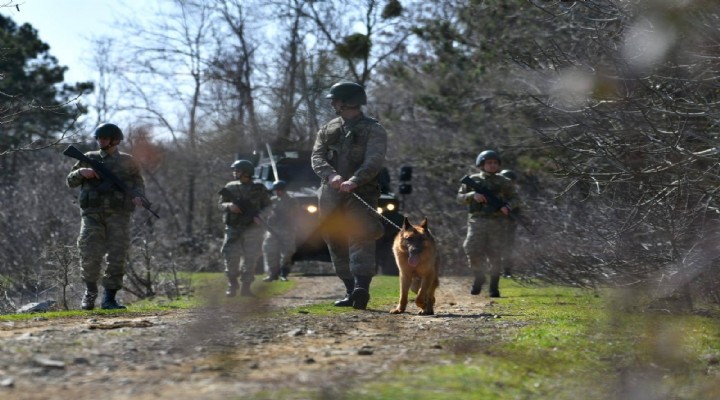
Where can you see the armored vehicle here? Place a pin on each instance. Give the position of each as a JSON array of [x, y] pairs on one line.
[[294, 168]]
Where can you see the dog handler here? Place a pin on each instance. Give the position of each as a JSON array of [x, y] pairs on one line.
[[487, 225], [348, 154]]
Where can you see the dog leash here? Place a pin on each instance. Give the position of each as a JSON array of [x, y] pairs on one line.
[[375, 211]]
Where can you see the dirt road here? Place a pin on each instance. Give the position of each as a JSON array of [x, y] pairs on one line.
[[237, 350]]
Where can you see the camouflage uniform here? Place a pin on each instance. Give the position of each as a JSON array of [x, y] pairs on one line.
[[487, 228], [106, 212], [243, 237], [354, 149], [279, 245]]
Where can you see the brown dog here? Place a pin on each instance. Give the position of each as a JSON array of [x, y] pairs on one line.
[[417, 260]]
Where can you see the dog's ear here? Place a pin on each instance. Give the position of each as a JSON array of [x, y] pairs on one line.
[[424, 223], [406, 225]]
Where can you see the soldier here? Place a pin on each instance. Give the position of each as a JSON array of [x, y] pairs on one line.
[[348, 154], [105, 216], [242, 200], [509, 247], [487, 224], [279, 243]]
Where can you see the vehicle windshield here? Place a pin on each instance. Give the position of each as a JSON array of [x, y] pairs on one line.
[[297, 173]]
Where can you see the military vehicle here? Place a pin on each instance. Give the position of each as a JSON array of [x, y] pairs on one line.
[[294, 168]]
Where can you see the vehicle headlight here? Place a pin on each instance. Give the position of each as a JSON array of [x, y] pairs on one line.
[[312, 209], [380, 210], [390, 206]]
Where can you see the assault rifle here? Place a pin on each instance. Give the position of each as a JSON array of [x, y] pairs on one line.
[[108, 177], [493, 201], [247, 208]]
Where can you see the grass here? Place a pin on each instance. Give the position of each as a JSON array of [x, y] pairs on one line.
[[205, 286], [569, 344], [555, 343]]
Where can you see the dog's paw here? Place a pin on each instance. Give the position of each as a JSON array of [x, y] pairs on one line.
[[396, 311], [423, 312]]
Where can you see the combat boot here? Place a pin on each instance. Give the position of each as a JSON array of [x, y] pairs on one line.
[[245, 289], [284, 272], [495, 286], [477, 284], [272, 277], [109, 302], [347, 301], [361, 294], [233, 286], [91, 293]]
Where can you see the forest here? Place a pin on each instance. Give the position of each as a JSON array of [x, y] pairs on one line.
[[607, 110]]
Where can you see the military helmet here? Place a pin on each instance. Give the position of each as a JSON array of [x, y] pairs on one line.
[[487, 155], [279, 185], [244, 167], [510, 174], [349, 92], [108, 130]]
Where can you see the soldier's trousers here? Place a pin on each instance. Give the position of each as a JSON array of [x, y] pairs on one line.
[[101, 234], [277, 252], [350, 231], [484, 244], [241, 249]]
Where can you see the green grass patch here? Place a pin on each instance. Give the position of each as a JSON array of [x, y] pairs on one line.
[[384, 290], [569, 343], [554, 343], [206, 288]]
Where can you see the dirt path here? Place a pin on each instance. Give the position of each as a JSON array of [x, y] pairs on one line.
[[226, 351]]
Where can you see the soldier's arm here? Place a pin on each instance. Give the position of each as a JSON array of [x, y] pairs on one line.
[[464, 196], [224, 202], [74, 178], [511, 196], [374, 155], [318, 158]]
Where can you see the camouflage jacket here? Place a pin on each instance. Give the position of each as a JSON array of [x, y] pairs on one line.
[[502, 187], [253, 193], [95, 195], [354, 149], [282, 214]]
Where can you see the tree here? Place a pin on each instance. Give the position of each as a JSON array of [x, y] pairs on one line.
[[617, 96], [632, 116], [233, 68], [298, 75], [34, 105], [383, 31], [168, 68]]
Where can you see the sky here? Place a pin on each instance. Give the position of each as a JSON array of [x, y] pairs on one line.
[[68, 25]]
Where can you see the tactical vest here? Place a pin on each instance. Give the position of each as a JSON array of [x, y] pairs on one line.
[[97, 194], [494, 184], [347, 145], [254, 193]]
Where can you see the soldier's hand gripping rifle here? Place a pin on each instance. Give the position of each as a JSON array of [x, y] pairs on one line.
[[107, 176], [493, 201], [247, 208]]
